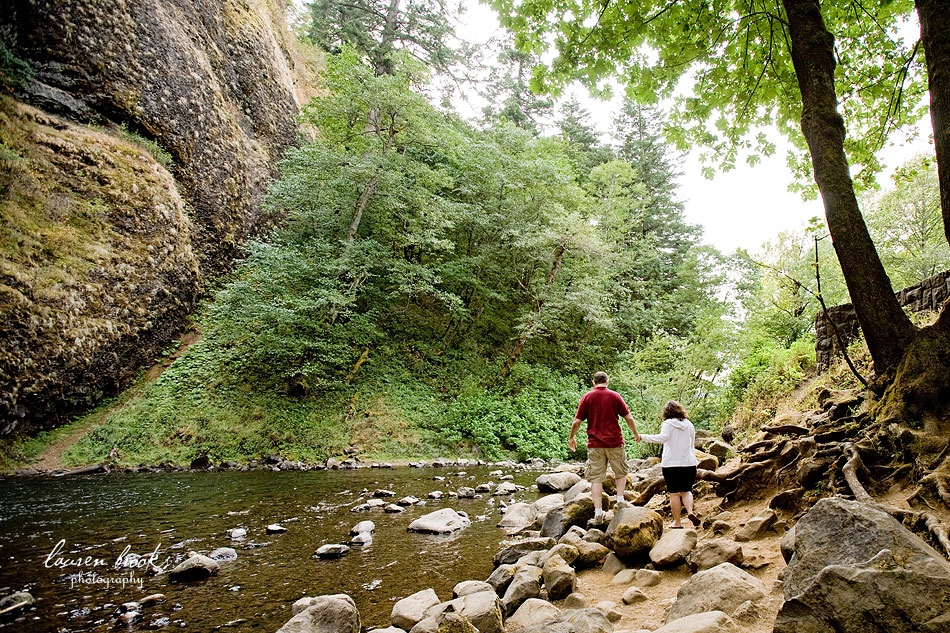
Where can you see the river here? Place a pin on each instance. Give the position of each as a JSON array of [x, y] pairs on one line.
[[99, 516]]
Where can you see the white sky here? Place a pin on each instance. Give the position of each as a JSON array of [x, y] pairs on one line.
[[743, 208]]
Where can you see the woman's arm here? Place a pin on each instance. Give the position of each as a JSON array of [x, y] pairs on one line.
[[662, 438]]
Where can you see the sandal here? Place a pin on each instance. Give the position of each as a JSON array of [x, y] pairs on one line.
[[675, 527], [693, 519]]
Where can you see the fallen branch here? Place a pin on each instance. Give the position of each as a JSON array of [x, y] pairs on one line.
[[101, 467]]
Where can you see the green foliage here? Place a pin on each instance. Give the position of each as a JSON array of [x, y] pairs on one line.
[[14, 72], [737, 60], [152, 147]]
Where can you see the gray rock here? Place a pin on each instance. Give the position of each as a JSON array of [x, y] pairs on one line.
[[573, 536], [756, 526], [719, 450], [722, 588], [560, 579], [517, 516], [556, 482], [482, 609], [707, 622], [525, 584], [610, 609], [237, 534], [392, 508], [196, 567], [362, 540], [581, 487], [152, 599], [577, 512], [590, 555], [673, 547], [468, 587], [532, 612], [624, 577], [714, 552], [646, 578], [788, 545], [856, 568], [275, 528], [507, 488], [223, 554], [388, 629], [595, 535], [16, 602], [634, 530], [545, 504], [411, 610], [586, 620], [303, 604], [363, 526], [501, 578], [537, 558], [514, 552], [634, 595], [440, 522], [565, 551], [407, 501], [466, 493], [575, 601], [384, 493], [326, 614], [332, 550]]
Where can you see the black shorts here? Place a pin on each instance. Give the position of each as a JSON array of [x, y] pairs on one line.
[[679, 478]]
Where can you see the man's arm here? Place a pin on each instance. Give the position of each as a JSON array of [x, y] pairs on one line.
[[633, 426], [571, 442]]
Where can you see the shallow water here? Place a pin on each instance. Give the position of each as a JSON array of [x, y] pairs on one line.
[[99, 516]]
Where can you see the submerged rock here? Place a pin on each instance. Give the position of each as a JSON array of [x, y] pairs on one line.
[[333, 550], [193, 568]]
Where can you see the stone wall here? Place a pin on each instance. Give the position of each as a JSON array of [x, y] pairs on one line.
[[106, 251], [929, 294]]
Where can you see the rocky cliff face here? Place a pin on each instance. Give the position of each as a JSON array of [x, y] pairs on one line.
[[108, 247]]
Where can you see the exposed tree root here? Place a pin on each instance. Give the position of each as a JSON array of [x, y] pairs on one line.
[[911, 519], [786, 429]]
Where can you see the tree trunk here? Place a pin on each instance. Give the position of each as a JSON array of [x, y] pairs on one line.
[[886, 328], [935, 32]]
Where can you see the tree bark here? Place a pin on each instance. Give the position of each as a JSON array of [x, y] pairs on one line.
[[935, 33], [886, 328]]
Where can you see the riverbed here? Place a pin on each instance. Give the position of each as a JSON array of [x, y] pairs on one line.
[[99, 517]]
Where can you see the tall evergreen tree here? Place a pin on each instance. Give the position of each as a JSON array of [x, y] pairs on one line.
[[587, 150], [510, 91]]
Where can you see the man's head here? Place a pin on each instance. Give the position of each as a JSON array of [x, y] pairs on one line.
[[601, 378]]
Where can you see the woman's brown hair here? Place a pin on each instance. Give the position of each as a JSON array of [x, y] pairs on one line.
[[674, 409]]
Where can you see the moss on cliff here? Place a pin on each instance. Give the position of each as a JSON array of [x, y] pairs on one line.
[[96, 267]]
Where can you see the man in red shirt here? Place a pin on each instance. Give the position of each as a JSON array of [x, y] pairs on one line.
[[601, 407]]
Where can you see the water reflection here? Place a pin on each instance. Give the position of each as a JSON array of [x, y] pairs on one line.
[[99, 516]]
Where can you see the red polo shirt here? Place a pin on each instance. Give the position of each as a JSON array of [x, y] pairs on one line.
[[601, 407]]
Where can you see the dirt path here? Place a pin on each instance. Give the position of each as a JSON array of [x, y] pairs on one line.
[[52, 458]]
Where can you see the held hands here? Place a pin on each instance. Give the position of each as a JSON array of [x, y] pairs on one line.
[[636, 436]]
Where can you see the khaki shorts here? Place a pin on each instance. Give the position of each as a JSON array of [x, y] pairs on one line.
[[597, 459]]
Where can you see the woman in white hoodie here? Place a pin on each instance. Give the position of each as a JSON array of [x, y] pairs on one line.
[[678, 438]]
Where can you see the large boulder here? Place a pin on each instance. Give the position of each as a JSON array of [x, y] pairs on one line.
[[483, 609], [517, 550], [585, 620], [590, 555], [722, 588], [856, 568], [581, 487], [196, 567], [634, 530], [468, 587], [673, 547], [559, 578], [326, 614], [411, 610], [525, 584], [545, 504], [708, 622], [556, 482], [517, 516], [440, 522], [501, 578], [531, 613], [714, 552], [577, 512]]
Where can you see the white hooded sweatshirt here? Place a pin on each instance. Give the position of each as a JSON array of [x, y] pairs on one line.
[[678, 438]]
